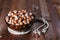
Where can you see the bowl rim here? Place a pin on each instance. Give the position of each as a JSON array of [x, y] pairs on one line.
[[17, 32]]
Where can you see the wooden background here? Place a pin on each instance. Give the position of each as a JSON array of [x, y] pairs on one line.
[[49, 9]]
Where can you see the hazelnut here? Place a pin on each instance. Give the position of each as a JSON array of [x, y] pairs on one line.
[[10, 18], [24, 21], [12, 23], [15, 21], [22, 15], [28, 21], [14, 11], [16, 18], [16, 24], [32, 17], [7, 19], [19, 15], [14, 15], [21, 23], [30, 14], [24, 11], [19, 20], [18, 11], [10, 12], [26, 14]]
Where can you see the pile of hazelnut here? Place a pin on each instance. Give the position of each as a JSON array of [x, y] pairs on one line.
[[19, 17]]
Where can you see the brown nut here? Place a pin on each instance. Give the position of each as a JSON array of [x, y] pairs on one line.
[[26, 14], [24, 17], [30, 14], [14, 11], [21, 23], [28, 21], [15, 21], [12, 23], [16, 24], [24, 21], [32, 17], [21, 13], [7, 19], [24, 11], [10, 12]]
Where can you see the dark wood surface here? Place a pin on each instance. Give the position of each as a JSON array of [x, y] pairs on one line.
[[17, 5], [29, 5], [55, 19]]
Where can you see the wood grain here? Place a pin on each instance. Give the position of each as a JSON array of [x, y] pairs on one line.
[[35, 7], [55, 20], [15, 5]]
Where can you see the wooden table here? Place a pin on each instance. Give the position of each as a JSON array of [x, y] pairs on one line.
[[18, 5], [30, 5]]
